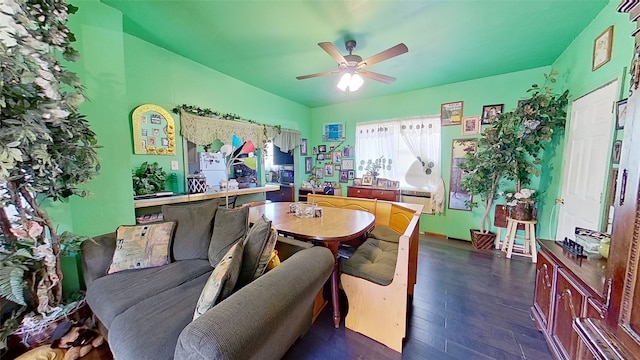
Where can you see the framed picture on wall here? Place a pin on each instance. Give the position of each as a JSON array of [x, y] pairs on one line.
[[308, 165], [471, 125], [333, 132], [490, 113], [337, 157], [347, 152], [348, 164], [319, 173], [344, 176], [351, 174], [303, 147], [621, 113], [602, 48], [328, 170], [615, 153], [322, 148], [451, 113]]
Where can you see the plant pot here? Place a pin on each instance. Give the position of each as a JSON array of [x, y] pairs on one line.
[[482, 241], [522, 211]]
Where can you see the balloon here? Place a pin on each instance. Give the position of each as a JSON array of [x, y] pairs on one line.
[[226, 149], [235, 141], [250, 162], [248, 147]]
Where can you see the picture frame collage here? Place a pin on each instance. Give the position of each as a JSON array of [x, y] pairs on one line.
[[332, 161], [452, 113]]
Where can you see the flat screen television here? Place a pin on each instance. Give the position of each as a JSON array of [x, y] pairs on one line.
[[281, 158]]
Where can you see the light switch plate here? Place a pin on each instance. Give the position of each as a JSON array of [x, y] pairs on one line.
[[174, 165]]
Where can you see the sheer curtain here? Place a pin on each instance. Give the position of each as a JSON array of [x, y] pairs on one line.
[[421, 136], [374, 140]]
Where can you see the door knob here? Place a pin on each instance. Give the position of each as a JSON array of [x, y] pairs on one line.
[[560, 201]]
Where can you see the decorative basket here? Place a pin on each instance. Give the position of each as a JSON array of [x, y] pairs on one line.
[[522, 211], [197, 185], [482, 241]]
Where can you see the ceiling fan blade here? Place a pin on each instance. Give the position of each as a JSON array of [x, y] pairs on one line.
[[379, 77], [317, 74], [333, 52], [387, 54]]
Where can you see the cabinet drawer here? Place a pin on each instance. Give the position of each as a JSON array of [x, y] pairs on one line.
[[384, 195], [357, 192]]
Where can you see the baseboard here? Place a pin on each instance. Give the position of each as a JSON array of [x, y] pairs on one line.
[[436, 235]]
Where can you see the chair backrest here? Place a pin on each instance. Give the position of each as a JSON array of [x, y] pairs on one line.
[[230, 201]]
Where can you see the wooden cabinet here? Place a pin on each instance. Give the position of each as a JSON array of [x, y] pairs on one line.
[[566, 288], [370, 192], [285, 194]]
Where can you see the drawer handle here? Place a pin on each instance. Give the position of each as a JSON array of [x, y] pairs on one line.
[[545, 269], [567, 296], [623, 186]]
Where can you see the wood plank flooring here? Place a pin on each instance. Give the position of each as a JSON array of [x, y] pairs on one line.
[[468, 304]]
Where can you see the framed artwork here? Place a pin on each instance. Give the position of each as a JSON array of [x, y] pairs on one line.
[[459, 198], [451, 113], [303, 147], [333, 132], [621, 113], [319, 173], [337, 167], [337, 157], [348, 152], [322, 148], [332, 148], [308, 165], [150, 123], [367, 180], [357, 181], [315, 150], [320, 156], [602, 48], [617, 149], [490, 113], [344, 176], [471, 125], [328, 170], [348, 164], [382, 183], [351, 174]]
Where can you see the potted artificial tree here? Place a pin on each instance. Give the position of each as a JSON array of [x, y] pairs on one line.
[[511, 147], [47, 150]]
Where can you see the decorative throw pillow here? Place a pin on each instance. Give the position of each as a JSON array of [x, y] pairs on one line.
[[258, 245], [385, 233], [193, 229], [222, 280], [229, 226], [142, 246]]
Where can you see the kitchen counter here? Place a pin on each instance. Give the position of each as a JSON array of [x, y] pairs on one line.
[[176, 199]]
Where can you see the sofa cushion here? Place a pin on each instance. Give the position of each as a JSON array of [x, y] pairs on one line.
[[374, 260], [382, 232], [221, 281], [142, 246], [229, 227], [255, 245], [149, 330], [193, 229], [112, 294]]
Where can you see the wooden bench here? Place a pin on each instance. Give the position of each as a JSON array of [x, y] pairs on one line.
[[375, 310]]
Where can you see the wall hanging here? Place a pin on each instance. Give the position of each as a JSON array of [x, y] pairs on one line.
[[153, 131]]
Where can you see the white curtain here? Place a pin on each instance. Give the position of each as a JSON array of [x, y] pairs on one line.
[[375, 140], [422, 137]]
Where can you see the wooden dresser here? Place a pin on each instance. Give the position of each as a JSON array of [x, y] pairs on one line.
[[604, 313], [373, 192]]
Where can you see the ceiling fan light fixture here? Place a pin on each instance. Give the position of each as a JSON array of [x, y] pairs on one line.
[[353, 82]]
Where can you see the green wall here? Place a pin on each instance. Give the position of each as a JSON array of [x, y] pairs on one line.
[[121, 72], [574, 66]]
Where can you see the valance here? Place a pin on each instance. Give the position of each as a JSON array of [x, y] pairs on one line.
[[286, 139], [202, 130]]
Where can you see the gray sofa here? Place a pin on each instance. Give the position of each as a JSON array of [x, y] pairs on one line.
[[147, 313]]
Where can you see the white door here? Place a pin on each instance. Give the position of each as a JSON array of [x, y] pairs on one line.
[[586, 161]]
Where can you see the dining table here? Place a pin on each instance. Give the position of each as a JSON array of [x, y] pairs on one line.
[[332, 228]]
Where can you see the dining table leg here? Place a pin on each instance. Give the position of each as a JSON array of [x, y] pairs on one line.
[[333, 246]]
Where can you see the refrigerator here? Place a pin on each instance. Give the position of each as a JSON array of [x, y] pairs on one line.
[[213, 167]]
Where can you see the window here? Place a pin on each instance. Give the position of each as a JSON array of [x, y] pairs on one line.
[[411, 144]]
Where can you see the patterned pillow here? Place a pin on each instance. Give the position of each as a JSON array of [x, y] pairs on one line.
[[142, 246], [222, 280]]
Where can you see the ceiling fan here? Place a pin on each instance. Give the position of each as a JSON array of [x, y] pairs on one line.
[[352, 65]]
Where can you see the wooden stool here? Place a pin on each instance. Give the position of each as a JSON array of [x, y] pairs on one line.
[[529, 249]]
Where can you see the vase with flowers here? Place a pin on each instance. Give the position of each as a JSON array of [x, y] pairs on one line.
[[521, 204]]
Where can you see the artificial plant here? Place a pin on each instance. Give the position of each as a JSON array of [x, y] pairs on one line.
[[148, 178], [510, 148], [47, 150]]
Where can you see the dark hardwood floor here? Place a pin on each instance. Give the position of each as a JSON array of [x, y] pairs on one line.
[[468, 304]]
